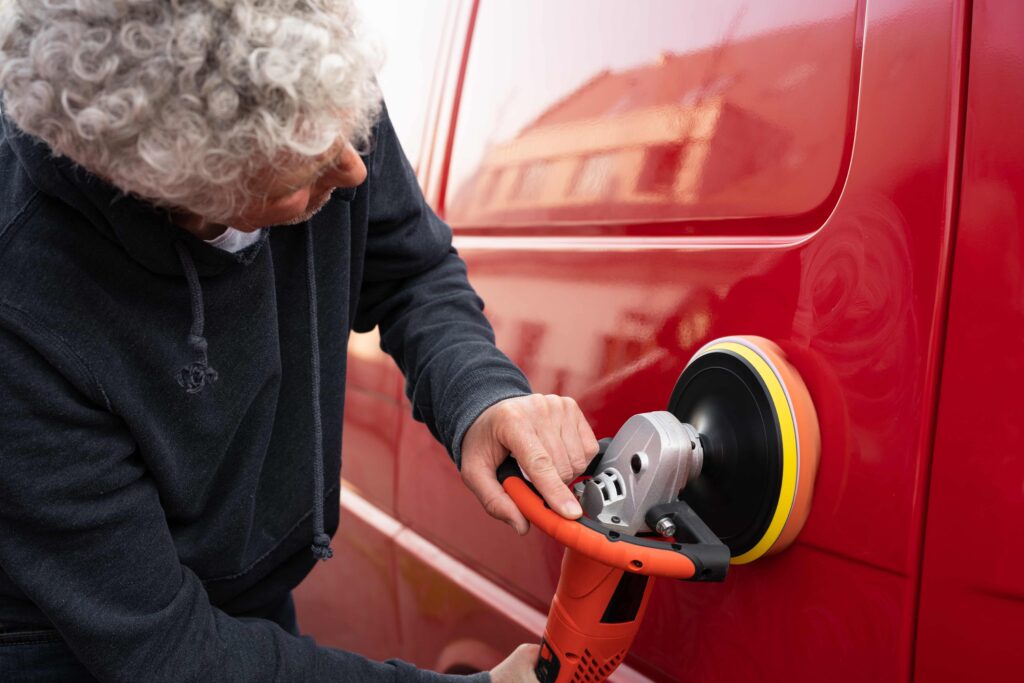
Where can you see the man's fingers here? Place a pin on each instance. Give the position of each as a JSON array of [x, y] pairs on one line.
[[550, 434], [484, 485], [538, 465], [590, 445], [579, 458]]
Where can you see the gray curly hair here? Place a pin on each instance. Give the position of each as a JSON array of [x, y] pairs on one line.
[[185, 103]]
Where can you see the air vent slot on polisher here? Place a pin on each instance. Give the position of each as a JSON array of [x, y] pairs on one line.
[[611, 485]]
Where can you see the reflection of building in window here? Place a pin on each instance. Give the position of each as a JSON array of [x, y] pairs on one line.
[[530, 183], [491, 184], [698, 134], [639, 161], [614, 144], [595, 176], [661, 165]]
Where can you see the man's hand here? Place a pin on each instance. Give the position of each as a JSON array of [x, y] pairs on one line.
[[518, 666], [550, 439]]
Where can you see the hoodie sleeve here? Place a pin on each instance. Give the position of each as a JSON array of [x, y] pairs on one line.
[[83, 536], [431, 320]]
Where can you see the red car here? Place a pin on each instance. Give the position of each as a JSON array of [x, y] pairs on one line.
[[630, 180]]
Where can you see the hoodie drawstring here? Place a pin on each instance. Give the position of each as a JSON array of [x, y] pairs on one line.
[[197, 374], [321, 541]]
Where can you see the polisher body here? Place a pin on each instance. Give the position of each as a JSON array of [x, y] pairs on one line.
[[593, 620], [736, 455]]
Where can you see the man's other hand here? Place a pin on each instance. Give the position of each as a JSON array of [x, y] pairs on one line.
[[550, 439], [518, 666]]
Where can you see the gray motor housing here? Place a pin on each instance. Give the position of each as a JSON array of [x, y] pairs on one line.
[[651, 458]]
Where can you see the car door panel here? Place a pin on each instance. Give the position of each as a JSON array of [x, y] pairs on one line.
[[852, 285]]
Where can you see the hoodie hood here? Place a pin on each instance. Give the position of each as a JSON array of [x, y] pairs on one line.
[[145, 231]]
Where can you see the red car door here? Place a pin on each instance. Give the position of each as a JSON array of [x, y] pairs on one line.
[[971, 616], [629, 183]]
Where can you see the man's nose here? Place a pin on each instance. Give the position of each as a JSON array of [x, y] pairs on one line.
[[348, 171]]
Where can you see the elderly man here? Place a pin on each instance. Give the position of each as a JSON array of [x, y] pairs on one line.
[[201, 199]]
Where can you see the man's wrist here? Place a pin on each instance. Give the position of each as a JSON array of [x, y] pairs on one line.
[[477, 407]]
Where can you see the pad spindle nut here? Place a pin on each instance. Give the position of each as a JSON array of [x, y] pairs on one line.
[[665, 527]]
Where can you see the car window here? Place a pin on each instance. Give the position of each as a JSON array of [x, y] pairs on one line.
[[595, 110]]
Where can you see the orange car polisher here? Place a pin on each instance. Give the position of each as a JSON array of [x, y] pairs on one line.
[[724, 476]]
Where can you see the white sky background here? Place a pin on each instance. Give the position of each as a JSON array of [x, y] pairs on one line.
[[411, 48]]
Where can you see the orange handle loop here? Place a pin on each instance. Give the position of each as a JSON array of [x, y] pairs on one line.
[[607, 548]]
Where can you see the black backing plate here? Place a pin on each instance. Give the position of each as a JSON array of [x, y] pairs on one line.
[[737, 492]]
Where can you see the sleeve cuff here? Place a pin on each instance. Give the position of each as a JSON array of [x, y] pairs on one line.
[[490, 391]]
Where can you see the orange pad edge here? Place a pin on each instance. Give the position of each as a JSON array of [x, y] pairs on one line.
[[808, 436]]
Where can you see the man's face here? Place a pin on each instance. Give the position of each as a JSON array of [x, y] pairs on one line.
[[293, 196]]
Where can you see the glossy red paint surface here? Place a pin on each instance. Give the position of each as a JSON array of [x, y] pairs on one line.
[[971, 618], [603, 295], [372, 419]]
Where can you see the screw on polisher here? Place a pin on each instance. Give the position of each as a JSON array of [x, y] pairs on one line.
[[665, 527]]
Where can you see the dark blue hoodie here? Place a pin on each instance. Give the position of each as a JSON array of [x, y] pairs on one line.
[[165, 407]]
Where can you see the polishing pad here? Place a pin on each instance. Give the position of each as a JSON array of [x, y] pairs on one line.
[[759, 432]]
